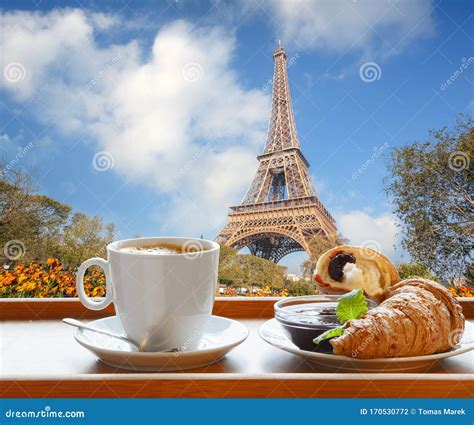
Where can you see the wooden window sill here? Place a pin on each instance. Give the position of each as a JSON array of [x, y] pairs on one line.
[[41, 359]]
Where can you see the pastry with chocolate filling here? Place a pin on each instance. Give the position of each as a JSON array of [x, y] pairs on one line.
[[345, 267]]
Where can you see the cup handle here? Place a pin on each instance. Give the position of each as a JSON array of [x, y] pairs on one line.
[[85, 300]]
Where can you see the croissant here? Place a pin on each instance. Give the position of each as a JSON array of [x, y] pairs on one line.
[[418, 317], [346, 267]]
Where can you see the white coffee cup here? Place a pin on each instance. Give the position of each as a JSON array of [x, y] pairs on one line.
[[163, 300]]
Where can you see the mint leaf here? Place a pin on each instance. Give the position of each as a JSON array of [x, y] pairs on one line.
[[351, 306], [330, 333]]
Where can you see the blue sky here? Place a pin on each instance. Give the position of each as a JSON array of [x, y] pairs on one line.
[[172, 101]]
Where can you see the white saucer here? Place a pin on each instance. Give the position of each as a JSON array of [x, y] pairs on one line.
[[273, 333], [220, 336]]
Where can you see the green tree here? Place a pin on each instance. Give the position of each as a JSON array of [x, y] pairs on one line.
[[245, 270], [300, 287], [431, 185], [84, 237], [319, 245], [256, 271], [29, 222], [409, 270], [35, 226], [228, 265]]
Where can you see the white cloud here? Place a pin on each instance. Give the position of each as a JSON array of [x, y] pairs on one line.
[[368, 25], [373, 231], [179, 120]]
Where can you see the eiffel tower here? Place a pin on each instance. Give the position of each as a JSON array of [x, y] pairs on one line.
[[281, 212]]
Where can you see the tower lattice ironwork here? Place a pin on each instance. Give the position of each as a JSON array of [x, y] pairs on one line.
[[281, 212]]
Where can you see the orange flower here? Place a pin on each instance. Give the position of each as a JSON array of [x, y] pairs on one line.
[[53, 262], [8, 279], [98, 291], [453, 291], [27, 287], [19, 268]]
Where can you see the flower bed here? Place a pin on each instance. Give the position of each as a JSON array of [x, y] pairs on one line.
[[462, 291], [48, 280], [266, 291], [52, 280]]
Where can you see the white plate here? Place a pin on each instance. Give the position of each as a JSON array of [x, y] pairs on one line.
[[273, 333], [220, 336]]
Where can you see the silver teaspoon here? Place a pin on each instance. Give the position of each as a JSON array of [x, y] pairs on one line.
[[80, 325]]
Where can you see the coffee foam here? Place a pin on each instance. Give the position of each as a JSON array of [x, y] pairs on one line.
[[160, 249]]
